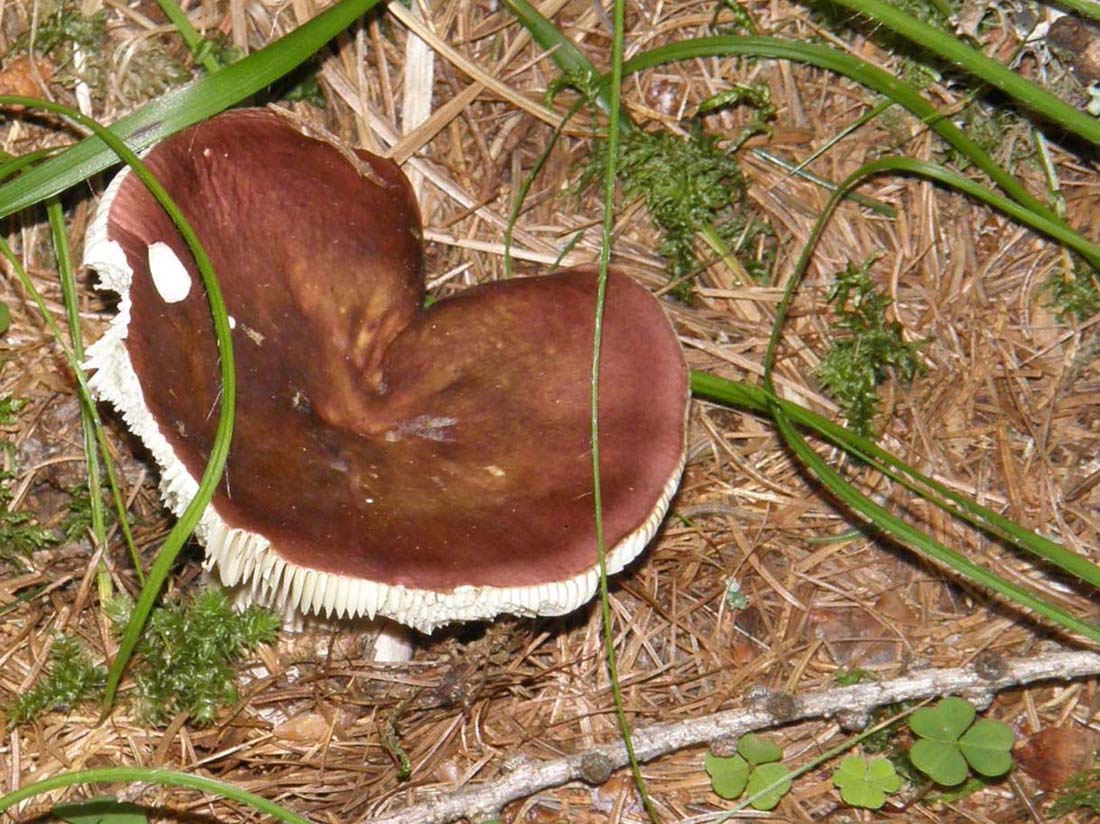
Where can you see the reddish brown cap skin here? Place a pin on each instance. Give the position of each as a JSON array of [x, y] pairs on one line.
[[428, 448]]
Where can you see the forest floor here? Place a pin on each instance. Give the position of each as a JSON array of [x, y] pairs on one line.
[[1006, 408]]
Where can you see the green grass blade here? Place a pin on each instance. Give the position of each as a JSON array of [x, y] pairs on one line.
[[194, 102], [88, 417], [858, 70], [858, 502], [164, 778], [199, 45], [597, 342], [565, 54], [912, 536], [216, 463], [957, 53], [755, 399]]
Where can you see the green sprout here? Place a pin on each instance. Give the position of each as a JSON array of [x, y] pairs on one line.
[[78, 520], [1074, 292], [186, 656], [754, 767], [73, 679], [864, 783], [950, 744], [869, 349]]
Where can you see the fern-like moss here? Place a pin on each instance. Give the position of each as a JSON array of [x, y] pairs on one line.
[[72, 679], [689, 186], [184, 661], [867, 350]]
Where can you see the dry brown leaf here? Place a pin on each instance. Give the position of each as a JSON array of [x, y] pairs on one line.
[[1054, 754]]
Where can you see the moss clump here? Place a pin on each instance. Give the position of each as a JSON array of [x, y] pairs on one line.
[[868, 348], [184, 661], [689, 187], [72, 679]]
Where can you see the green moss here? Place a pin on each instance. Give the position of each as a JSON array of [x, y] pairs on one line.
[[72, 679], [20, 532], [689, 186], [62, 34], [867, 349], [1074, 294], [185, 659], [1081, 792]]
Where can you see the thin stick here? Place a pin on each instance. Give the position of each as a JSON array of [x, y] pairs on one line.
[[654, 741]]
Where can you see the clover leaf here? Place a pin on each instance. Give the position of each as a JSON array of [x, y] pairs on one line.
[[864, 783], [950, 743], [728, 775], [754, 766], [987, 747], [764, 777]]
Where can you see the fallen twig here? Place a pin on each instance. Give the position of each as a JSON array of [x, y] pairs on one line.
[[978, 683]]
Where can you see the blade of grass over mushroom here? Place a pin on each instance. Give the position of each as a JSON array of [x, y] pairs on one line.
[[597, 339], [832, 480], [755, 399], [169, 114], [216, 464], [163, 778], [956, 52]]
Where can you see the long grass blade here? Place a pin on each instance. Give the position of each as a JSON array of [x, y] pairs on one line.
[[141, 775], [754, 398], [844, 491], [957, 53], [183, 528], [597, 340], [184, 107]]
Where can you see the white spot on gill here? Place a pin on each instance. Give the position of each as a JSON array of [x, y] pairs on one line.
[[170, 276]]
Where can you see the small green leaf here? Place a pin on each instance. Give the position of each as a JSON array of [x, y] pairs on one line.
[[865, 784], [757, 750], [728, 776], [764, 776], [987, 747], [940, 761], [5, 318], [944, 722], [101, 811]]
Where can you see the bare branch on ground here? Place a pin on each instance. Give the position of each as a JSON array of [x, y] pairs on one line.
[[978, 683]]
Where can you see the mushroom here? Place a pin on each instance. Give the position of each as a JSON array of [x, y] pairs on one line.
[[426, 465]]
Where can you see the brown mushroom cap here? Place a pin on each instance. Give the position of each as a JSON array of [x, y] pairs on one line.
[[428, 465]]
